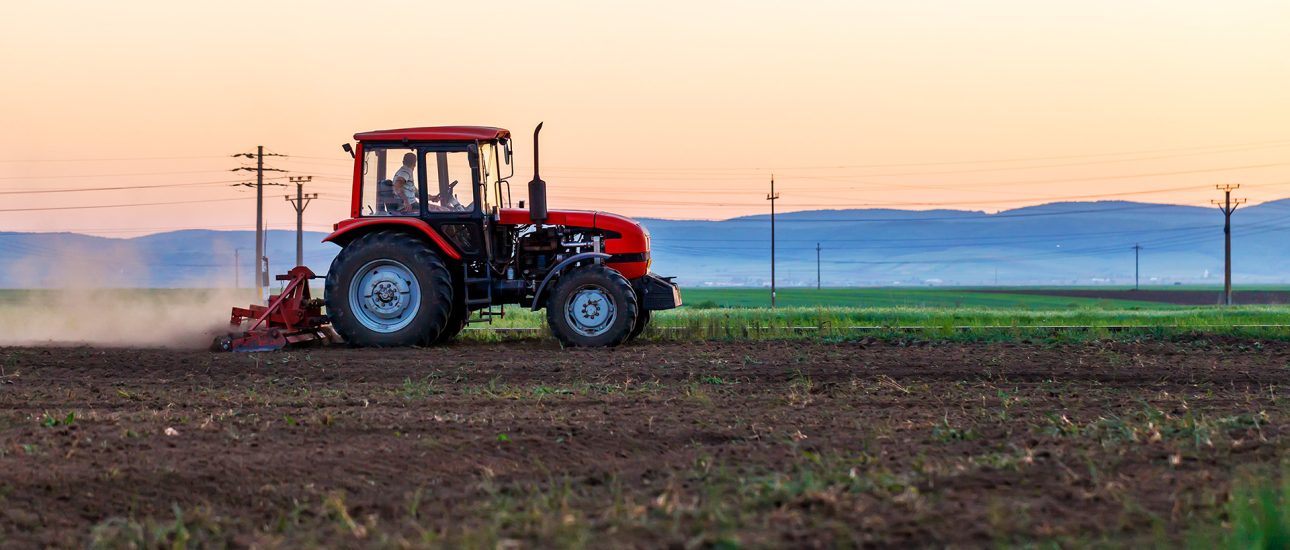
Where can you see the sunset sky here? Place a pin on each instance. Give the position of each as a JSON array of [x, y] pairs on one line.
[[662, 109]]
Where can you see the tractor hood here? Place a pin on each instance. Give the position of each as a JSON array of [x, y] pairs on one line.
[[577, 218], [630, 248]]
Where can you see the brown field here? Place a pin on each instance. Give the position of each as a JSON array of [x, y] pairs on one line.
[[682, 445]]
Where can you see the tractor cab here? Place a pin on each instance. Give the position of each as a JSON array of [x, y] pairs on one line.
[[427, 172], [448, 177]]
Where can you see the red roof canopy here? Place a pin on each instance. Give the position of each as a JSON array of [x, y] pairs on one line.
[[436, 133]]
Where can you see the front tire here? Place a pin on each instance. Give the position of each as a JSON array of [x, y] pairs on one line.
[[642, 320], [388, 289], [457, 321], [592, 306]]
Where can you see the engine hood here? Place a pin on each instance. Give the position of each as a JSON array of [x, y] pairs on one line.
[[576, 218]]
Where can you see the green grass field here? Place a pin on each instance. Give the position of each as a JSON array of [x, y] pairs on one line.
[[742, 313], [893, 297], [937, 313]]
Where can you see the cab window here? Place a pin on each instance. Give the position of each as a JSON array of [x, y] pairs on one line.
[[391, 182], [450, 181], [490, 172]]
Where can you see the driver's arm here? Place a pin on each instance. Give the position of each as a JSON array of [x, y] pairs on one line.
[[401, 191]]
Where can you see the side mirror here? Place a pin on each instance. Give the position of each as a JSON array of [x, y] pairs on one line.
[[506, 161], [348, 149]]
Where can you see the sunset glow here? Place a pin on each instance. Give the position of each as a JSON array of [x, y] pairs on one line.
[[673, 109]]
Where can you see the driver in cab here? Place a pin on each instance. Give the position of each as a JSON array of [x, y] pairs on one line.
[[405, 190]]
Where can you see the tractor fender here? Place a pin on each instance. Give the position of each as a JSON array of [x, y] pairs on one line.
[[350, 229], [560, 267]]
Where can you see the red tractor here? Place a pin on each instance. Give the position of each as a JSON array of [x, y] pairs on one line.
[[433, 244]]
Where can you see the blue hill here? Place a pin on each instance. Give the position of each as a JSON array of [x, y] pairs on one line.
[[1058, 243]]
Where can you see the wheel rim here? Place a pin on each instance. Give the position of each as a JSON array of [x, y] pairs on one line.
[[590, 310], [384, 296]]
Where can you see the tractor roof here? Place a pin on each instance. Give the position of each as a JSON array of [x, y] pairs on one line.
[[435, 133]]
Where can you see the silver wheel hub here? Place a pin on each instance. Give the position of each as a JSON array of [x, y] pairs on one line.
[[384, 296], [591, 311]]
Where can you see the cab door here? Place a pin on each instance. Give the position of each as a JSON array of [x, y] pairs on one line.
[[451, 200]]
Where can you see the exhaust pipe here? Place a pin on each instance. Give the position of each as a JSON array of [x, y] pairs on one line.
[[537, 187]]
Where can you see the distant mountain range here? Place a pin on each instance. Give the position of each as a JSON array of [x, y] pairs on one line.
[[1075, 243]]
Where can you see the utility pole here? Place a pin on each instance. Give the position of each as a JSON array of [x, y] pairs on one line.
[[1136, 249], [299, 203], [817, 266], [261, 274], [1227, 206], [772, 197]]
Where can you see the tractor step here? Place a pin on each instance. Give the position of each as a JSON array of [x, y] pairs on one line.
[[486, 315], [479, 290]]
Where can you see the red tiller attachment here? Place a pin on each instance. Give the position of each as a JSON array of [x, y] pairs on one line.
[[292, 317]]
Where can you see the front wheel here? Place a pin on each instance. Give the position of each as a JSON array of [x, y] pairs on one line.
[[592, 306], [642, 320]]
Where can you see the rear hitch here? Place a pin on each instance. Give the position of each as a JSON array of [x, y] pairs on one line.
[[291, 318]]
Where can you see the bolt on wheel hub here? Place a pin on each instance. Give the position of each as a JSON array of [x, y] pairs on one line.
[[384, 296], [591, 311]]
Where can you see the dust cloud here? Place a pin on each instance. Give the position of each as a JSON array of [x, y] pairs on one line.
[[76, 296]]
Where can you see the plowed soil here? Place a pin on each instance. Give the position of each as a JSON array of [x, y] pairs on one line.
[[526, 445]]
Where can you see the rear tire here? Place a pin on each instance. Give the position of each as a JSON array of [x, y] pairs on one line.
[[388, 289], [592, 306]]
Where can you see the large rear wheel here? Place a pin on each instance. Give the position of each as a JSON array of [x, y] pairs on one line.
[[592, 306], [388, 289]]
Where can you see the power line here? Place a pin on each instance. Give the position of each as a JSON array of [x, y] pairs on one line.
[[1068, 180], [130, 205], [117, 188], [1239, 146], [107, 159], [344, 160], [738, 173], [1029, 237], [1061, 165], [987, 161], [110, 175], [964, 218], [1049, 199]]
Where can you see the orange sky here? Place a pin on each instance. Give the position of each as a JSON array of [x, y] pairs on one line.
[[668, 109]]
